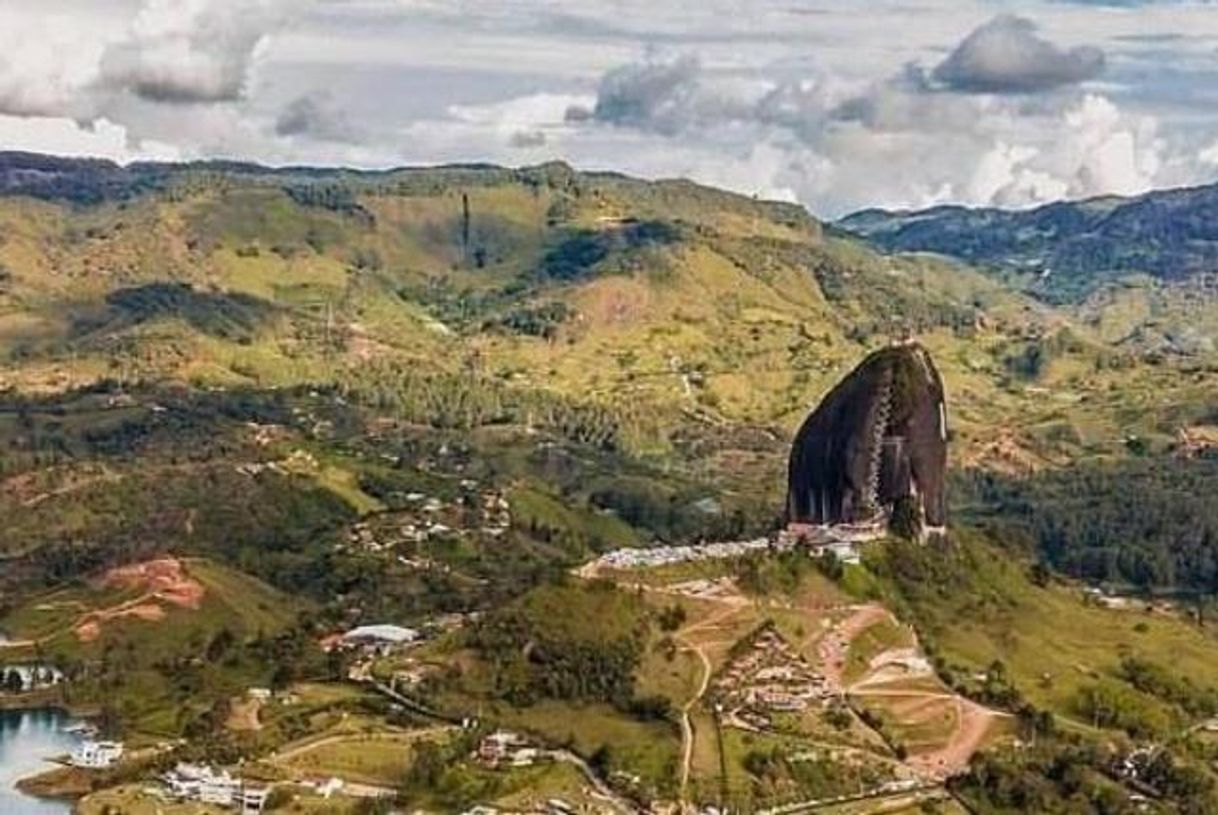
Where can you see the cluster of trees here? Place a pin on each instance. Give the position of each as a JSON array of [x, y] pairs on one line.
[[566, 642], [470, 400], [1081, 776], [1145, 522], [776, 777], [334, 197], [1154, 679], [1145, 699], [1060, 776], [580, 253], [673, 512], [440, 776], [765, 573], [1113, 705], [542, 320], [234, 316], [1029, 359]]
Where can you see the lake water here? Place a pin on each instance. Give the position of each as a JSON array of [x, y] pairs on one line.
[[27, 739]]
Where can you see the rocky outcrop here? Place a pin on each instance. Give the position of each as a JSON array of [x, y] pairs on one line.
[[880, 436]]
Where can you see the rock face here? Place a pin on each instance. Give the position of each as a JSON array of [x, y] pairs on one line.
[[878, 437]]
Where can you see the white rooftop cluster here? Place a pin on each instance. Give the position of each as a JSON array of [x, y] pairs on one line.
[[842, 540], [662, 555]]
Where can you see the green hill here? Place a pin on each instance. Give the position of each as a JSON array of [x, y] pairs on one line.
[[344, 397], [1136, 270], [161, 644]]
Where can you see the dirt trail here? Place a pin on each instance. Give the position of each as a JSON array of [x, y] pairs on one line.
[[687, 728], [833, 647], [309, 746], [881, 682], [975, 722]]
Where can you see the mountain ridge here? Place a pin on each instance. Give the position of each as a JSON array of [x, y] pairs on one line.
[[1075, 246]]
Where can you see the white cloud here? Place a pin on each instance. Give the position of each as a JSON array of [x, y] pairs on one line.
[[317, 116], [840, 108], [1006, 55], [45, 65], [198, 51], [193, 50], [102, 138]]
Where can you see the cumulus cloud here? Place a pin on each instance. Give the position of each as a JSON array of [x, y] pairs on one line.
[[1006, 55], [103, 138], [169, 51], [652, 94], [45, 62], [527, 139], [896, 141], [667, 96], [192, 50], [843, 109], [317, 116]]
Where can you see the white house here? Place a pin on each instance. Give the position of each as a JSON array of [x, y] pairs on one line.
[[219, 788], [197, 782], [96, 755], [252, 800]]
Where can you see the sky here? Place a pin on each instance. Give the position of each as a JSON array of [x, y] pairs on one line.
[[839, 105]]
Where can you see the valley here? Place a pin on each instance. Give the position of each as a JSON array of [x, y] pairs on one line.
[[533, 427]]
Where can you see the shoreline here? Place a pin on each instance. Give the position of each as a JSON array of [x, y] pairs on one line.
[[64, 784], [58, 781], [49, 699]]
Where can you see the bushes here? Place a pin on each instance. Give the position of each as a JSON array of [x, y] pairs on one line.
[[1161, 683], [532, 321], [579, 252], [1147, 521], [1111, 705], [455, 401], [229, 316], [567, 642], [1053, 777]]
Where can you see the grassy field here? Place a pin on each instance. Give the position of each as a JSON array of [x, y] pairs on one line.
[[649, 750], [380, 759], [533, 787], [132, 800], [982, 607], [884, 635]]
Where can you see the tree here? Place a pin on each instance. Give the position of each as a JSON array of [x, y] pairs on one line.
[[672, 617], [906, 521], [13, 683]]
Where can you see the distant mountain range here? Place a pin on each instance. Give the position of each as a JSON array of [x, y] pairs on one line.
[[1067, 249]]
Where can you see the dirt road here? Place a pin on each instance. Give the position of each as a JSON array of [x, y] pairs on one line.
[[687, 728]]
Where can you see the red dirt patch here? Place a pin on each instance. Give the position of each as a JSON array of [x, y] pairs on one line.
[[163, 582], [164, 579], [975, 723], [833, 647]]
